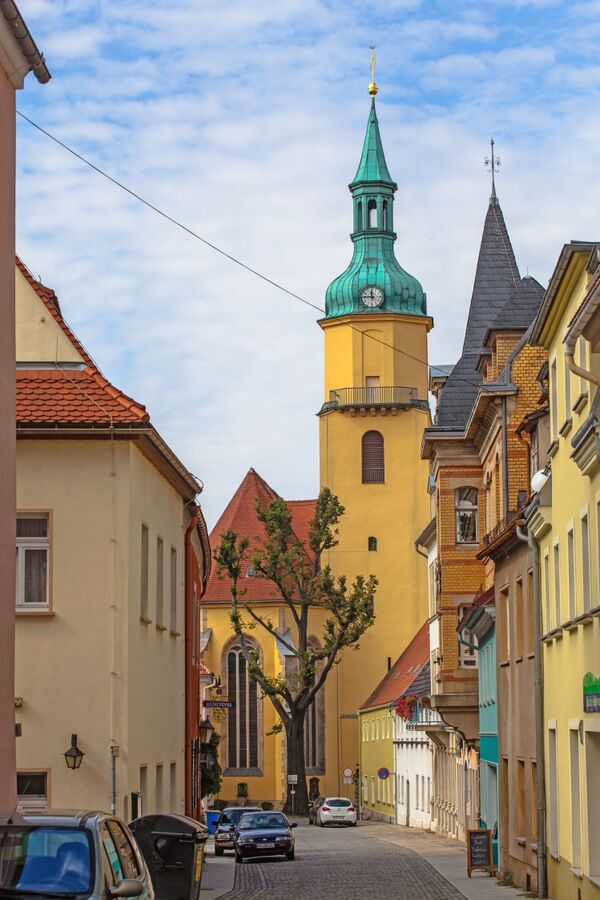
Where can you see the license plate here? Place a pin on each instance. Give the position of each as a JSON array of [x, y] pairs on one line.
[[267, 846]]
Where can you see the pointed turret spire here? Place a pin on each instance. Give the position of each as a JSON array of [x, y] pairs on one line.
[[374, 281]]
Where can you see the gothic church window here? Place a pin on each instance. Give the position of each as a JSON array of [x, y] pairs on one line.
[[373, 471], [465, 501], [242, 722]]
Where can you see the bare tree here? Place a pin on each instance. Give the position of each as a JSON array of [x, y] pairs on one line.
[[302, 585]]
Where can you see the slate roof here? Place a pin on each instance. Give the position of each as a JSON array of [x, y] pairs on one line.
[[240, 516], [501, 299], [402, 674], [421, 685]]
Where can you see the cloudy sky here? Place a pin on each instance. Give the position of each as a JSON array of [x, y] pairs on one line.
[[244, 120]]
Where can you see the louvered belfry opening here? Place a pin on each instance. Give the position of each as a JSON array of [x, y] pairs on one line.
[[373, 471]]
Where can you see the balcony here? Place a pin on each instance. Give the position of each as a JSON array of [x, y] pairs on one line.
[[373, 398]]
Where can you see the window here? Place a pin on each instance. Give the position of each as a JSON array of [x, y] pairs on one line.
[[533, 801], [571, 573], [547, 589], [158, 796], [242, 736], [585, 562], [250, 571], [465, 502], [519, 618], [32, 790], [126, 853], [504, 624], [520, 797], [592, 761], [144, 575], [467, 656], [160, 581], [372, 388], [372, 213], [372, 458], [173, 787], [553, 792], [386, 224], [32, 561], [557, 584], [143, 795], [314, 730], [359, 216], [534, 454], [553, 402], [575, 798], [372, 543], [530, 614], [432, 588], [173, 590]]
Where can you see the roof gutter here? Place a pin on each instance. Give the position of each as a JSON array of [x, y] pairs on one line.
[[27, 45]]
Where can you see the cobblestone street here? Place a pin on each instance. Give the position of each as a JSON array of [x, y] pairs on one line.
[[355, 863]]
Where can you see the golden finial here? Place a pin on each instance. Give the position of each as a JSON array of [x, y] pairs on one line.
[[373, 87]]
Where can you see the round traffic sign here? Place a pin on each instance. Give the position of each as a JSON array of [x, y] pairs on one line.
[[383, 773], [348, 772]]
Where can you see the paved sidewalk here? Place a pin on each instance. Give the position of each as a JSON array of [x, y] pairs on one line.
[[218, 874], [449, 858]]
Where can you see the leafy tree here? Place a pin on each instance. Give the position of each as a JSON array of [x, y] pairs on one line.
[[210, 770], [302, 584]]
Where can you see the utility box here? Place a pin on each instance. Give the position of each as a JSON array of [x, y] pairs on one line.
[[173, 847]]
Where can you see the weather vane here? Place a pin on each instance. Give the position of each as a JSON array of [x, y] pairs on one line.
[[373, 87], [492, 164]]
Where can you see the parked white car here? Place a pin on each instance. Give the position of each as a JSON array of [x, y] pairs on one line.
[[336, 811]]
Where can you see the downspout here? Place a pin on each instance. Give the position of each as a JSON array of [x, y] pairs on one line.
[[505, 456], [191, 727], [420, 552], [570, 361], [542, 884]]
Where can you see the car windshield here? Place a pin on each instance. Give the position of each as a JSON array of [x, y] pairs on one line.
[[262, 820], [338, 801], [45, 860], [232, 816]]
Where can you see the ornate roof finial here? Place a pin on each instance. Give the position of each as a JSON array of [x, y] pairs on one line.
[[492, 164], [373, 87]]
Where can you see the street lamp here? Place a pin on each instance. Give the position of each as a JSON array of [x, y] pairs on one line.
[[206, 730], [73, 756]]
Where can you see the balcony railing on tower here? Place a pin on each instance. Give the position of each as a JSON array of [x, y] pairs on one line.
[[358, 397]]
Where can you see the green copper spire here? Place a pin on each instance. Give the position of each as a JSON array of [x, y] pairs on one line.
[[372, 165], [374, 282]]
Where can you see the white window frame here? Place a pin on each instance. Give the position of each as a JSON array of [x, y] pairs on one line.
[[467, 658], [23, 545], [462, 507]]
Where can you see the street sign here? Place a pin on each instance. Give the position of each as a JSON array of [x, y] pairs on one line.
[[383, 773], [292, 779], [348, 773], [218, 704]]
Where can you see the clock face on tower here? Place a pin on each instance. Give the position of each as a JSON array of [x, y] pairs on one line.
[[372, 297]]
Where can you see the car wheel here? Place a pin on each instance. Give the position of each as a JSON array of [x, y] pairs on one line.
[[238, 857], [219, 851], [291, 854]]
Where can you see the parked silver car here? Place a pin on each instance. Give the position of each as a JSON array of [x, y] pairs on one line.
[[70, 854]]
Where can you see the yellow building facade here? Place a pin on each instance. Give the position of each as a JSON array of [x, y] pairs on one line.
[[565, 521]]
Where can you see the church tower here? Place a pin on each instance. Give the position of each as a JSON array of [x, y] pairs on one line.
[[371, 425]]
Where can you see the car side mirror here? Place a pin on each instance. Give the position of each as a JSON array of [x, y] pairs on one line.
[[127, 887], [293, 825]]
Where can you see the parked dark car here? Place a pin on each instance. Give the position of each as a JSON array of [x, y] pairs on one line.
[[264, 834], [70, 854], [226, 826]]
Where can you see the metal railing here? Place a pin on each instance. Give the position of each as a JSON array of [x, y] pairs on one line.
[[373, 396], [373, 475]]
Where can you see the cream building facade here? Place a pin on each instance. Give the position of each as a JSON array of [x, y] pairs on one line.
[[101, 523]]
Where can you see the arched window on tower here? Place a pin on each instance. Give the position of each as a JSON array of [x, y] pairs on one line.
[[373, 470], [385, 215], [359, 219], [372, 212], [242, 720]]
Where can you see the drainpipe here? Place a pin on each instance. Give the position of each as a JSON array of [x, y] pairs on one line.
[[114, 752], [542, 885], [505, 455], [570, 361]]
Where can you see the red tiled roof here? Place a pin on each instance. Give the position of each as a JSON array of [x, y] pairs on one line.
[[73, 397], [403, 672], [240, 516], [50, 301]]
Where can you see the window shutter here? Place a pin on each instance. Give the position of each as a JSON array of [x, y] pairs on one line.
[[372, 458]]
